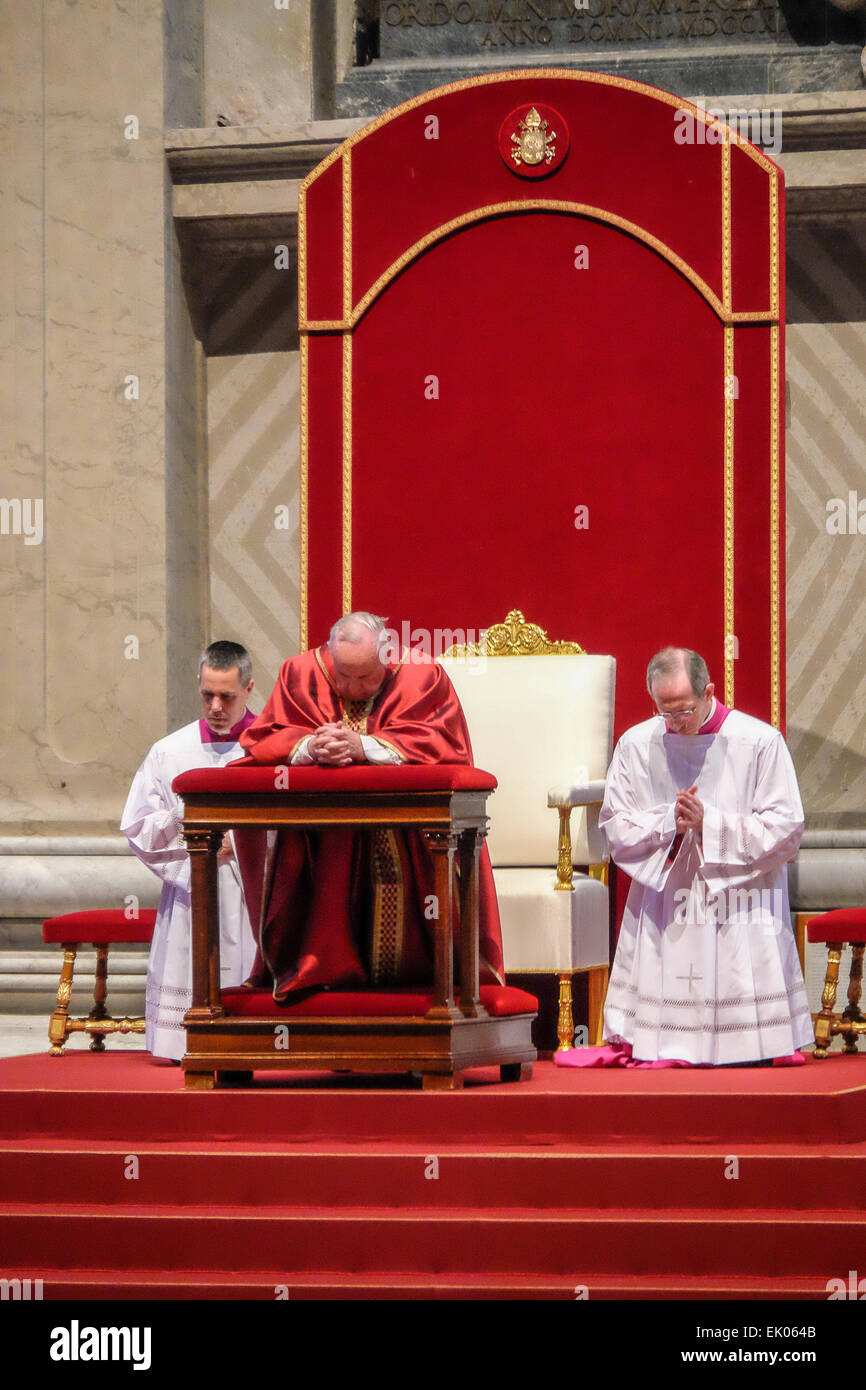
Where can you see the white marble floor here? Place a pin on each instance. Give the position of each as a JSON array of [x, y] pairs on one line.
[[21, 1034]]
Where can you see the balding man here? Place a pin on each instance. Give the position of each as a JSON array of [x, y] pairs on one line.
[[339, 907], [702, 810]]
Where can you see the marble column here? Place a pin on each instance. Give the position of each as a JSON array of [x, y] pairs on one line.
[[102, 574]]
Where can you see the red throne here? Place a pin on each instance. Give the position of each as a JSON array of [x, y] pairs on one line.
[[557, 386]]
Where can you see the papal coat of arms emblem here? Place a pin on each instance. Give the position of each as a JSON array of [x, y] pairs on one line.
[[533, 140]]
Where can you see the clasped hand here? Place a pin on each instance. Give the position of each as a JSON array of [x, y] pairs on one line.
[[333, 745], [225, 853], [689, 811]]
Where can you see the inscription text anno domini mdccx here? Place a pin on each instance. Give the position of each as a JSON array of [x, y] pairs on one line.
[[414, 28]]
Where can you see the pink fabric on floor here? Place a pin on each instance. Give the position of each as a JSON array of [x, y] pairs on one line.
[[661, 1063], [608, 1056], [605, 1056], [621, 1056]]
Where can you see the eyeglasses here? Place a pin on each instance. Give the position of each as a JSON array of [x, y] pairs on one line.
[[674, 716]]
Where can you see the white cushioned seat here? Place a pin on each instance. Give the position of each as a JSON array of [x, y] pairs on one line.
[[543, 725]]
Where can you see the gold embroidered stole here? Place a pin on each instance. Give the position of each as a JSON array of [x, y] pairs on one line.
[[386, 952]]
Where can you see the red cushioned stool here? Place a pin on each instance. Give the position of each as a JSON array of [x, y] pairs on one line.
[[843, 927], [101, 928]]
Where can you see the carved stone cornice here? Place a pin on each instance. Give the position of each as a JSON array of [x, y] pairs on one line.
[[236, 189], [232, 154]]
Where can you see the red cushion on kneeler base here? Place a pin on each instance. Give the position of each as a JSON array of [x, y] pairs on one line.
[[367, 777], [499, 1001], [101, 926], [842, 924]]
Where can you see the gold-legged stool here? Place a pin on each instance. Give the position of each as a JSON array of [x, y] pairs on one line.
[[845, 926], [100, 929]]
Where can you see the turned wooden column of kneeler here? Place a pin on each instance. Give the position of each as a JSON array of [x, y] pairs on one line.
[[434, 1031]]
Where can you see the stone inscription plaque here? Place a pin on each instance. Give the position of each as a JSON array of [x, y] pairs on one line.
[[441, 28]]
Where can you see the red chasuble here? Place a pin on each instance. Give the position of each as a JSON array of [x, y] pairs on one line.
[[347, 908]]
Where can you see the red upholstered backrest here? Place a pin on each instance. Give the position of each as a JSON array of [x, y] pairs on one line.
[[559, 393]]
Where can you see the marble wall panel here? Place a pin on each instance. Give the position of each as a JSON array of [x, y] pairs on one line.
[[186, 519], [38, 886], [826, 565], [21, 371], [253, 445], [184, 62], [258, 62], [83, 418], [104, 323]]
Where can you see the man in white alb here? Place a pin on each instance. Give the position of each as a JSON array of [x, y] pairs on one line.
[[702, 811], [152, 824]]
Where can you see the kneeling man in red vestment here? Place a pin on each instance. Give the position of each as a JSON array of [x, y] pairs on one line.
[[348, 908]]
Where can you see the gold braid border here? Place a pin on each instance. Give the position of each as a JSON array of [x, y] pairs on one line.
[[302, 256], [517, 74], [730, 396], [777, 538], [304, 498], [347, 472], [347, 233], [723, 311], [730, 639], [727, 292]]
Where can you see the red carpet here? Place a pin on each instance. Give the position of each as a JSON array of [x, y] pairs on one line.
[[622, 1182]]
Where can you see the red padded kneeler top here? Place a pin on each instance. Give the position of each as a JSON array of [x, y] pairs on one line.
[[407, 777], [100, 926], [842, 924], [499, 1001]]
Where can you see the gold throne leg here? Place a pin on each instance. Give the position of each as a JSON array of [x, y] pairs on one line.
[[565, 1020], [824, 1021], [58, 1030]]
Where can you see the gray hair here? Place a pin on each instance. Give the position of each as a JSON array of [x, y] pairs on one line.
[[672, 659], [346, 629], [222, 656]]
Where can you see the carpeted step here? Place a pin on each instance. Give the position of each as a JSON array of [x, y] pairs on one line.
[[557, 1176], [324, 1186], [143, 1285], [130, 1098], [576, 1244]]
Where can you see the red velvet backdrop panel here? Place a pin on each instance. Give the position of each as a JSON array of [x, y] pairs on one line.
[[623, 157], [558, 388]]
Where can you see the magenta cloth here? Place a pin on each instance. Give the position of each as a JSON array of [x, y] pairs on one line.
[[208, 735], [610, 1056], [716, 719], [620, 1055]]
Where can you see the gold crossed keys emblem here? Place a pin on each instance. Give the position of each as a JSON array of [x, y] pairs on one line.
[[534, 142]]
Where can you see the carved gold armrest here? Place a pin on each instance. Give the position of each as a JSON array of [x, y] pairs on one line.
[[563, 799]]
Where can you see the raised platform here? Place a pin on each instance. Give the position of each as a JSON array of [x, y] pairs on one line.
[[727, 1184]]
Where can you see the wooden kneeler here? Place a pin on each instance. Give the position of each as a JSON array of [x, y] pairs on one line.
[[436, 1032]]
